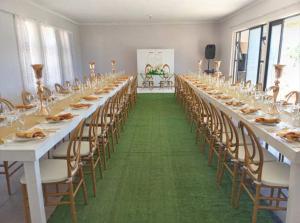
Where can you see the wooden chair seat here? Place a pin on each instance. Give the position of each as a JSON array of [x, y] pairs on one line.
[[275, 174], [61, 150], [268, 157], [52, 171]]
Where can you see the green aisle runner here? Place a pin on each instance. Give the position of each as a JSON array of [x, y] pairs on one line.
[[158, 175]]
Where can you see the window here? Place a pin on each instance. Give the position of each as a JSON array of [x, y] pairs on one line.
[[52, 63]]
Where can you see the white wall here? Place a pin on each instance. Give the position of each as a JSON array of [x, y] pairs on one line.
[[260, 12], [10, 74], [103, 43]]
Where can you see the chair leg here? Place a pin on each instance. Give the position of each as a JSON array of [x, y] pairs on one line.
[[108, 148], [6, 172], [25, 203], [99, 162], [238, 196], [112, 138], [84, 188], [211, 151], [256, 202], [72, 203], [104, 154], [234, 184], [222, 169], [91, 162]]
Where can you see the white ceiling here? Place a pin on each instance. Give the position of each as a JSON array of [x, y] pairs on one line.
[[128, 11]]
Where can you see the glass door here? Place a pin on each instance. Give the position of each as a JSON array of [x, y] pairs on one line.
[[254, 54]]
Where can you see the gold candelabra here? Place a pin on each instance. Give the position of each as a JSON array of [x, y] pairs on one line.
[[38, 71]]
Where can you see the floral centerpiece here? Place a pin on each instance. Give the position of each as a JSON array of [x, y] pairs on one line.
[[158, 70]]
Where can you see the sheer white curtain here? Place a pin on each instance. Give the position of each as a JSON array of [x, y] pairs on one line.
[[29, 50], [66, 55], [52, 71], [44, 45]]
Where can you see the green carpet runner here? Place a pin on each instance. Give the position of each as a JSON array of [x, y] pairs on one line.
[[158, 175]]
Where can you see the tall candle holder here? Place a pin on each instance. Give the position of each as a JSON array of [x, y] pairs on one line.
[[92, 66], [200, 67], [113, 66], [38, 71], [276, 87]]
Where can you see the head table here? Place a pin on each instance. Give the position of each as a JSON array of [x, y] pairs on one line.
[[30, 152], [291, 150]]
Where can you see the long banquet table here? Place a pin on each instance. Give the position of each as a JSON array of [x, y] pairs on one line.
[[30, 152], [266, 133]]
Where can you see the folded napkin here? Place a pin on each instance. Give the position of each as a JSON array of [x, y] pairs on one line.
[[60, 117], [235, 103], [29, 106], [79, 105], [65, 91], [90, 98], [267, 120], [289, 135], [207, 88], [108, 88], [31, 134], [249, 110], [224, 97]]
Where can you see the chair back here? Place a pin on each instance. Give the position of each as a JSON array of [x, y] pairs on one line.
[[208, 113], [59, 88], [217, 127], [6, 104], [231, 134], [73, 152], [93, 129], [103, 115], [253, 164], [295, 95]]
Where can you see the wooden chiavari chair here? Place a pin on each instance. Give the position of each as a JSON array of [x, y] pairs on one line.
[[68, 172], [60, 89], [9, 169], [89, 151], [259, 174], [233, 156]]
